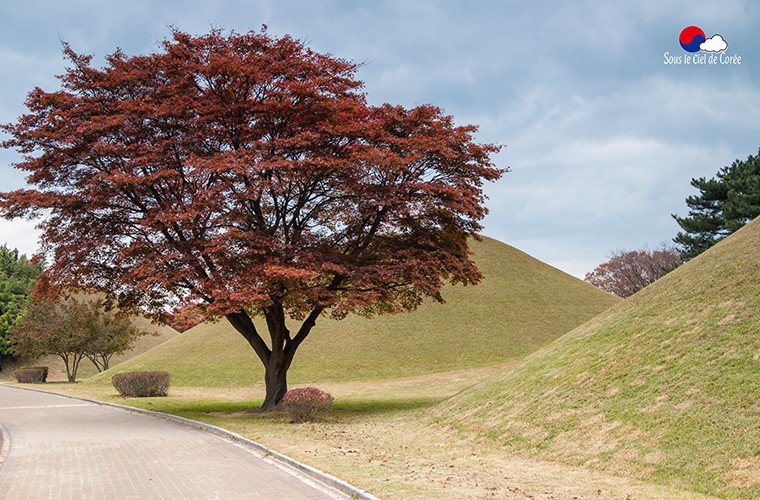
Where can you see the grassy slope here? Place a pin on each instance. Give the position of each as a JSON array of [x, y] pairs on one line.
[[665, 386], [521, 305]]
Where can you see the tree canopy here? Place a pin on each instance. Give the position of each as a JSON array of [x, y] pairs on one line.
[[183, 318], [628, 271], [249, 174], [724, 204], [17, 278]]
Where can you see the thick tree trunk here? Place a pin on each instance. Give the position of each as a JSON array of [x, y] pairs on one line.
[[277, 359], [276, 381]]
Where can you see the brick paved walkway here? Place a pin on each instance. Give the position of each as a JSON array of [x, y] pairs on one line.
[[65, 448]]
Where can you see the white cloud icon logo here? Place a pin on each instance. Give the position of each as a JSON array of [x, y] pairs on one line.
[[715, 43]]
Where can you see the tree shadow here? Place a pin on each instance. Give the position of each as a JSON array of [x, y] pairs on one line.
[[381, 406], [251, 410]]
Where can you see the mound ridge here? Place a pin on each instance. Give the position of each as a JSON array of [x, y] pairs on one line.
[[521, 304], [665, 386]]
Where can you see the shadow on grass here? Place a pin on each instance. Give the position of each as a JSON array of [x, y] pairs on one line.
[[180, 406], [381, 406], [251, 409]]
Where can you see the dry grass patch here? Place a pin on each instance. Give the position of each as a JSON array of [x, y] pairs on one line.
[[745, 473], [397, 454]]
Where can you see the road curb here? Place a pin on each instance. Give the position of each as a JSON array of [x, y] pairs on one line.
[[307, 470]]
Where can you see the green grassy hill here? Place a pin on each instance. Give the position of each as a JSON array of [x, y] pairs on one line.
[[521, 305], [665, 386]]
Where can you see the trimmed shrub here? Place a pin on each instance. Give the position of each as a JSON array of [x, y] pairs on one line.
[[31, 374], [306, 403], [141, 384]]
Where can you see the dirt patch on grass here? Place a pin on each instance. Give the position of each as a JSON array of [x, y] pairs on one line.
[[531, 433], [592, 437], [435, 385], [745, 473]]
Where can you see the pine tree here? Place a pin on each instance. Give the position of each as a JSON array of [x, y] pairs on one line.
[[725, 204], [17, 277]]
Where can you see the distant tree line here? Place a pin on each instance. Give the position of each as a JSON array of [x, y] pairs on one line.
[[73, 330]]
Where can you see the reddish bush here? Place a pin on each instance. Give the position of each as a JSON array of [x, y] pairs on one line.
[[31, 374], [306, 403], [141, 384]]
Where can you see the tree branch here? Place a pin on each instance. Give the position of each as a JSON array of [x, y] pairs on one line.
[[243, 323], [304, 331]]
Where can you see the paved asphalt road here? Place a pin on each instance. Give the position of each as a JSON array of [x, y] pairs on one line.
[[57, 447]]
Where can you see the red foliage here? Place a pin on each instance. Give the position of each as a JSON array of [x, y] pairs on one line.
[[627, 272], [248, 173], [306, 403], [184, 318]]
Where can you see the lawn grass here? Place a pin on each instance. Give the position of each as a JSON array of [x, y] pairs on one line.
[[665, 386], [378, 438], [521, 305]]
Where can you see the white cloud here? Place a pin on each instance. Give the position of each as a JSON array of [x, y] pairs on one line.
[[716, 43], [20, 234]]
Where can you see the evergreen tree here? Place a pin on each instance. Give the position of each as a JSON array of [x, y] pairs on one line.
[[724, 204], [17, 277]]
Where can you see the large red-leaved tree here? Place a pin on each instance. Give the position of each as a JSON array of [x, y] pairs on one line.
[[247, 173]]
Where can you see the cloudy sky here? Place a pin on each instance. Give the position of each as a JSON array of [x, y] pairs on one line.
[[603, 128]]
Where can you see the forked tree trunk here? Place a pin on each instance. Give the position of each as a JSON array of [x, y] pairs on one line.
[[101, 361], [71, 360], [278, 358]]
